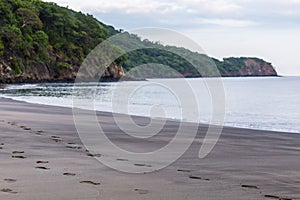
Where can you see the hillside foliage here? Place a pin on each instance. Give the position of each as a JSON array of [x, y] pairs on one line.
[[36, 34]]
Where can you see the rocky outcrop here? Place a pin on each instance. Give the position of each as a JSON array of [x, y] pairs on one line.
[[5, 71], [43, 73], [253, 67], [247, 67], [114, 71]]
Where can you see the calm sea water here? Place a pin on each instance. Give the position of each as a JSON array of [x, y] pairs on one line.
[[269, 103]]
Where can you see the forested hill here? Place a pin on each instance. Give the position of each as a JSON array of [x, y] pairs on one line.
[[42, 41]]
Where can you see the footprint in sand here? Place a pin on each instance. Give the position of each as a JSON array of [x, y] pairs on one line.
[[7, 190], [250, 186], [12, 123], [69, 174], [25, 128], [276, 197], [90, 182], [141, 191], [198, 178], [21, 157], [73, 147], [39, 132], [94, 155], [44, 168], [18, 152], [122, 160], [42, 162], [142, 165], [18, 156], [8, 180], [184, 170], [56, 138]]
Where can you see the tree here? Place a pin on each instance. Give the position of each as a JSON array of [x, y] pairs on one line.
[[40, 43], [11, 37], [29, 18], [40, 38]]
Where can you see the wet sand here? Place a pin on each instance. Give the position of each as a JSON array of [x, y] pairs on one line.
[[42, 157]]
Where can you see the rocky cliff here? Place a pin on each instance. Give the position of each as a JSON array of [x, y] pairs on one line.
[[257, 68], [45, 73], [246, 67], [240, 67]]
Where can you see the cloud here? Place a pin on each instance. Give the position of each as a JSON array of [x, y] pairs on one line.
[[271, 11], [129, 7], [228, 22], [190, 13], [217, 7]]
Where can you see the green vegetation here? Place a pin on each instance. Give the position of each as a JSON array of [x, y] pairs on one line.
[[37, 38], [181, 62], [34, 33]]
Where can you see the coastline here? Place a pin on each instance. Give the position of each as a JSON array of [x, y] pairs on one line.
[[57, 104], [245, 163]]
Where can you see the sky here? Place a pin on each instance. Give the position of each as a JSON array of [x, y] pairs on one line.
[[268, 29]]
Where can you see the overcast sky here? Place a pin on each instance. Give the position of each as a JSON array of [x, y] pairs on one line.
[[269, 29]]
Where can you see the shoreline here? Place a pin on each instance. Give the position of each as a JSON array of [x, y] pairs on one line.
[[42, 157], [168, 119], [125, 78]]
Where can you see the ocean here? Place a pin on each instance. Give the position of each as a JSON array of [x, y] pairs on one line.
[[264, 103]]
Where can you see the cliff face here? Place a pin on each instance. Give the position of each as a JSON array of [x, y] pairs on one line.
[[231, 67], [114, 71], [254, 68], [246, 67], [45, 73]]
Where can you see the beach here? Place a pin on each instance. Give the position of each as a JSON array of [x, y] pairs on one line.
[[42, 157]]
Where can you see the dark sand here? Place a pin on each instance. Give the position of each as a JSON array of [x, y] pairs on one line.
[[41, 157]]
